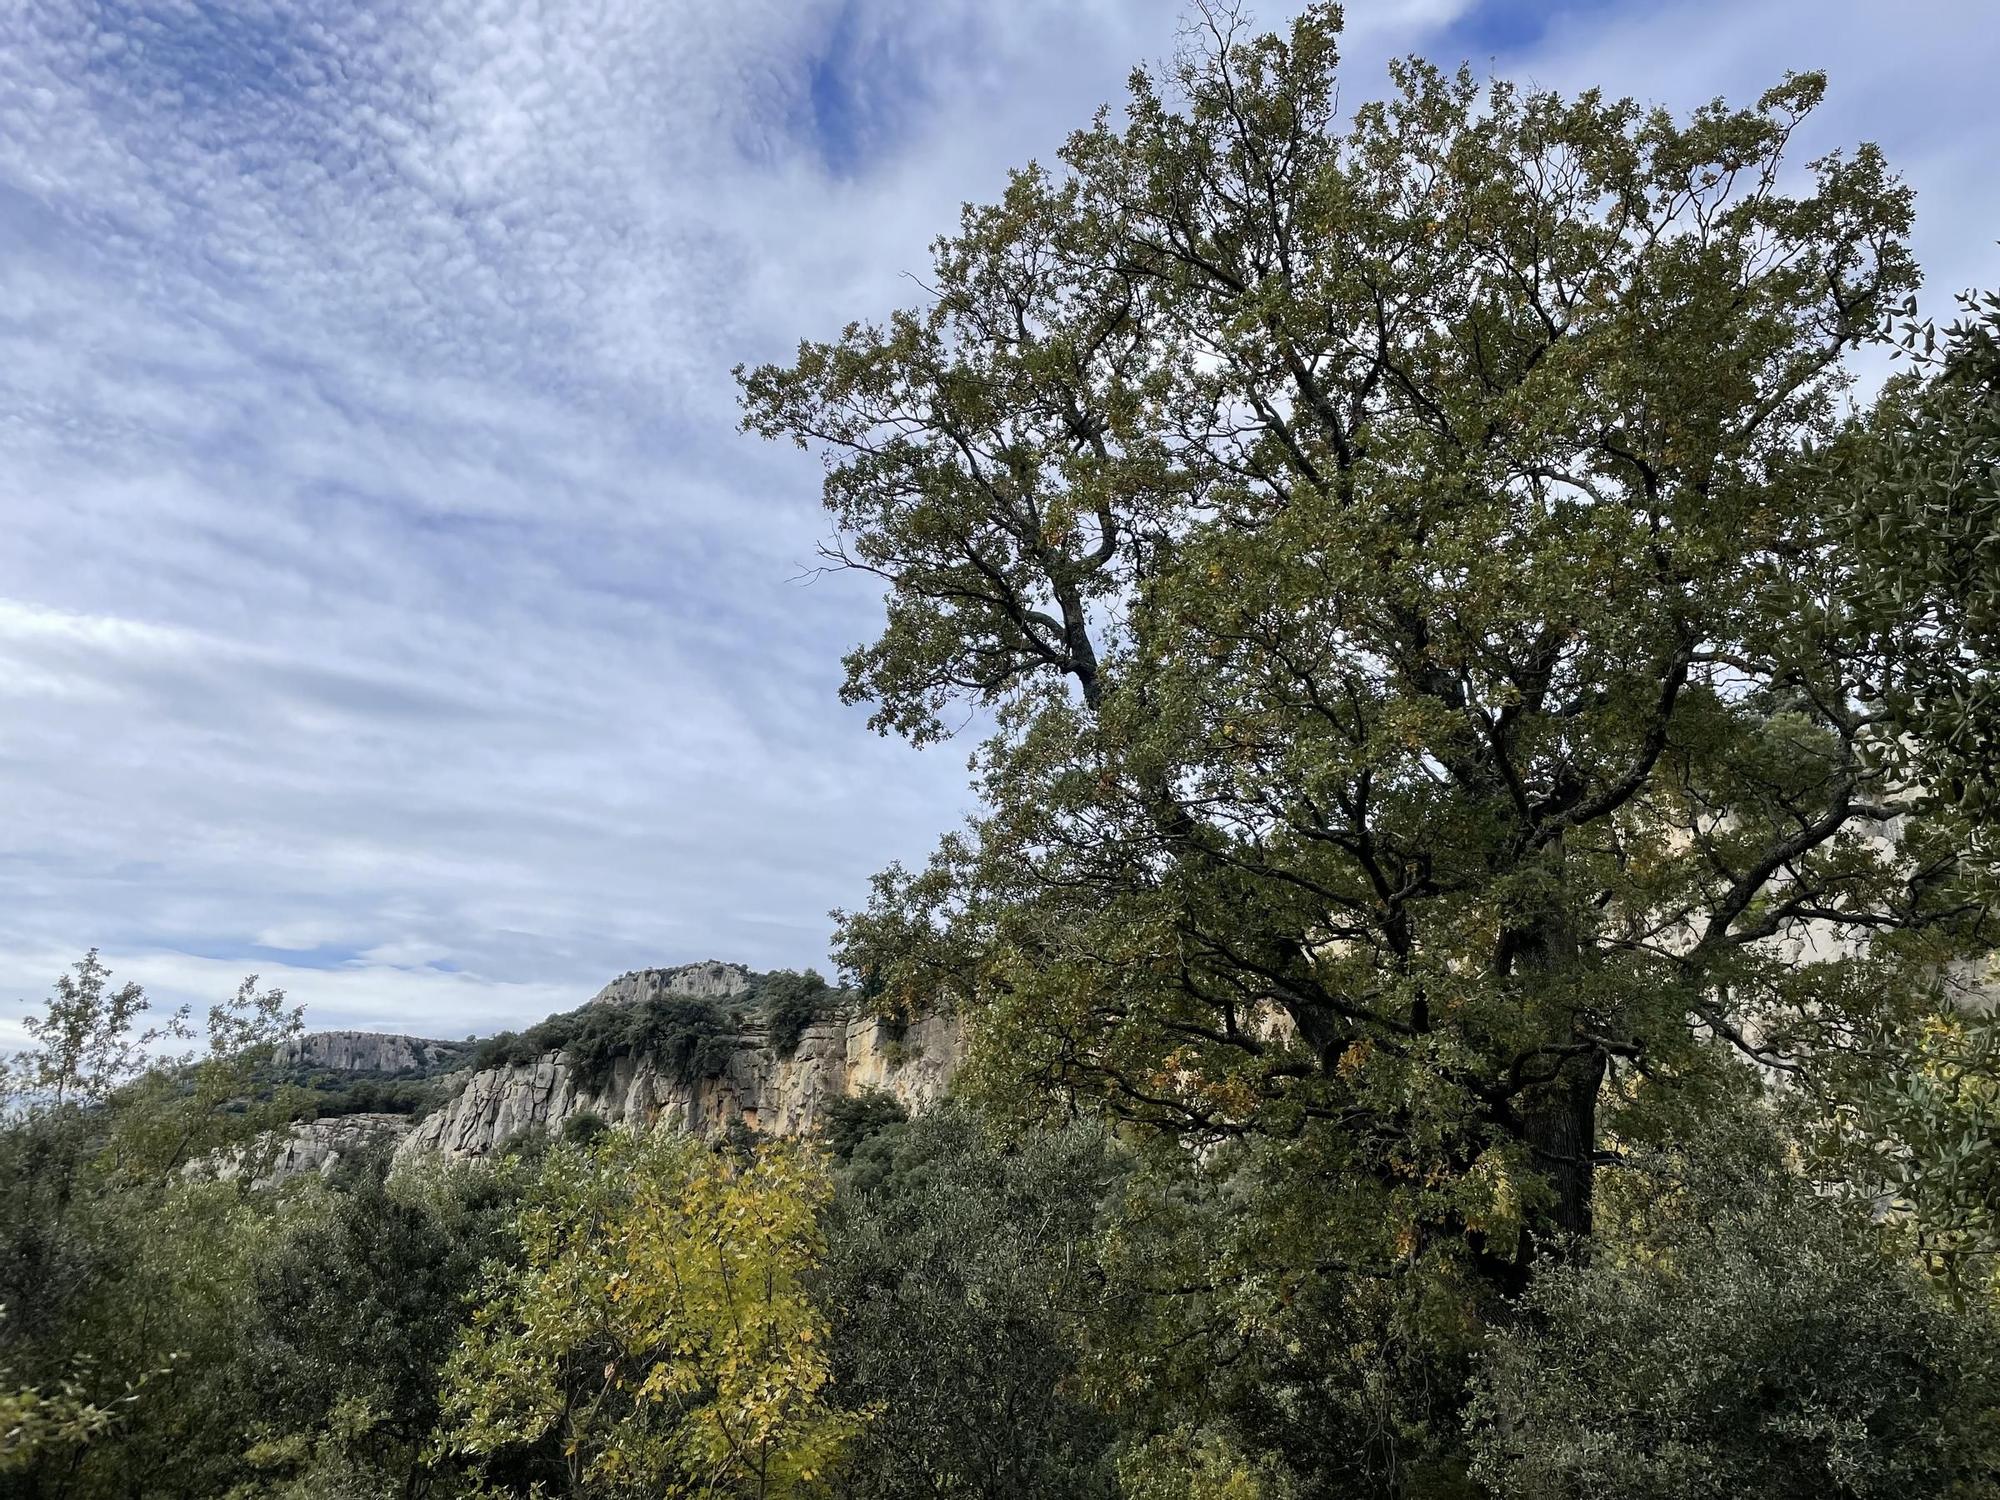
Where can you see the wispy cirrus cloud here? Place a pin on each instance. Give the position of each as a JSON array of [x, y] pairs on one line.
[[387, 603]]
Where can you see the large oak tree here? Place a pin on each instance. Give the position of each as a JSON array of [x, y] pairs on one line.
[[1410, 563]]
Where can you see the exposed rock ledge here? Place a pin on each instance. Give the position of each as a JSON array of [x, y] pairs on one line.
[[310, 1146], [778, 1096], [369, 1052], [709, 980]]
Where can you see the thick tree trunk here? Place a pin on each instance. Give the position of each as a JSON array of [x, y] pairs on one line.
[[1559, 1124], [1557, 1120]]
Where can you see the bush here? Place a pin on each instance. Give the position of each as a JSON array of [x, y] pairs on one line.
[[694, 1038], [960, 1267], [375, 1096], [691, 1038], [853, 1118], [512, 1049], [791, 1002], [654, 1334], [1769, 1348]]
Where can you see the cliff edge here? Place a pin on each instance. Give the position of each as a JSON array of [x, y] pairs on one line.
[[754, 1087], [704, 1047]]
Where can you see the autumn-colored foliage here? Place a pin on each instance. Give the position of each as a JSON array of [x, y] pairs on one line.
[[655, 1337]]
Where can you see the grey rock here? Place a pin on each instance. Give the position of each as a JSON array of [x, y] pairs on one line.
[[711, 980], [777, 1096], [369, 1052], [310, 1146]]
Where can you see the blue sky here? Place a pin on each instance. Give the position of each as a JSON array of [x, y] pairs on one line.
[[388, 603]]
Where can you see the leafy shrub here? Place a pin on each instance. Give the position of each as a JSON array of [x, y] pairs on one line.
[[853, 1118], [1763, 1346], [658, 1308], [511, 1049], [691, 1039], [375, 1096], [791, 1002], [959, 1263]]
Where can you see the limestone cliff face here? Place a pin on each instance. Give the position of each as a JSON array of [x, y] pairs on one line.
[[310, 1146], [713, 980], [368, 1052], [772, 1094]]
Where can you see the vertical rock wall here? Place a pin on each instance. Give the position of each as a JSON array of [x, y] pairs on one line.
[[772, 1094]]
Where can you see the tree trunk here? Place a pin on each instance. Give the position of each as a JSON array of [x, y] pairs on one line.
[[1557, 1120], [1559, 1124]]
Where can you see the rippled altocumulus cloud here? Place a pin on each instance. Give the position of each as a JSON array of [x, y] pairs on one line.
[[386, 601]]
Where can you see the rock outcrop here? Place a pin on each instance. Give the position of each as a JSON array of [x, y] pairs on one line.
[[712, 980], [369, 1052], [776, 1095], [311, 1146]]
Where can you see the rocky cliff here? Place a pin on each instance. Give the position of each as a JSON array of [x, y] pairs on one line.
[[369, 1052], [711, 980], [777, 1095], [737, 1076], [310, 1146]]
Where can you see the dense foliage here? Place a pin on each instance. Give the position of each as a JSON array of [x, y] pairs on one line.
[[692, 1038], [358, 1266], [126, 1282], [950, 1306], [655, 1335], [790, 1002], [1767, 1349], [963, 1271], [331, 1095], [1468, 944], [1392, 551]]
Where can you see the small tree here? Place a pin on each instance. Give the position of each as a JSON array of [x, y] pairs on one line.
[[359, 1301], [963, 1274], [655, 1337], [87, 1044], [191, 1106], [791, 1002], [125, 1280]]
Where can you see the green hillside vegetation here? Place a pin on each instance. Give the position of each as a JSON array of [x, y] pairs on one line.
[[692, 1038], [327, 1092], [790, 1002], [332, 1094], [1487, 816], [689, 1038]]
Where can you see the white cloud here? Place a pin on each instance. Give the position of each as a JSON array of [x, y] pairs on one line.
[[388, 604], [1914, 79]]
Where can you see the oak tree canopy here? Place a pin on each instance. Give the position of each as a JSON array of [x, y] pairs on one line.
[[1410, 563]]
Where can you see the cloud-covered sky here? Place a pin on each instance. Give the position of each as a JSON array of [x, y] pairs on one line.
[[388, 604]]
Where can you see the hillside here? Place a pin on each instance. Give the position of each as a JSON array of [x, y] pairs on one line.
[[703, 1048]]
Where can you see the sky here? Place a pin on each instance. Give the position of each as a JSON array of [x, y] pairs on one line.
[[389, 604]]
